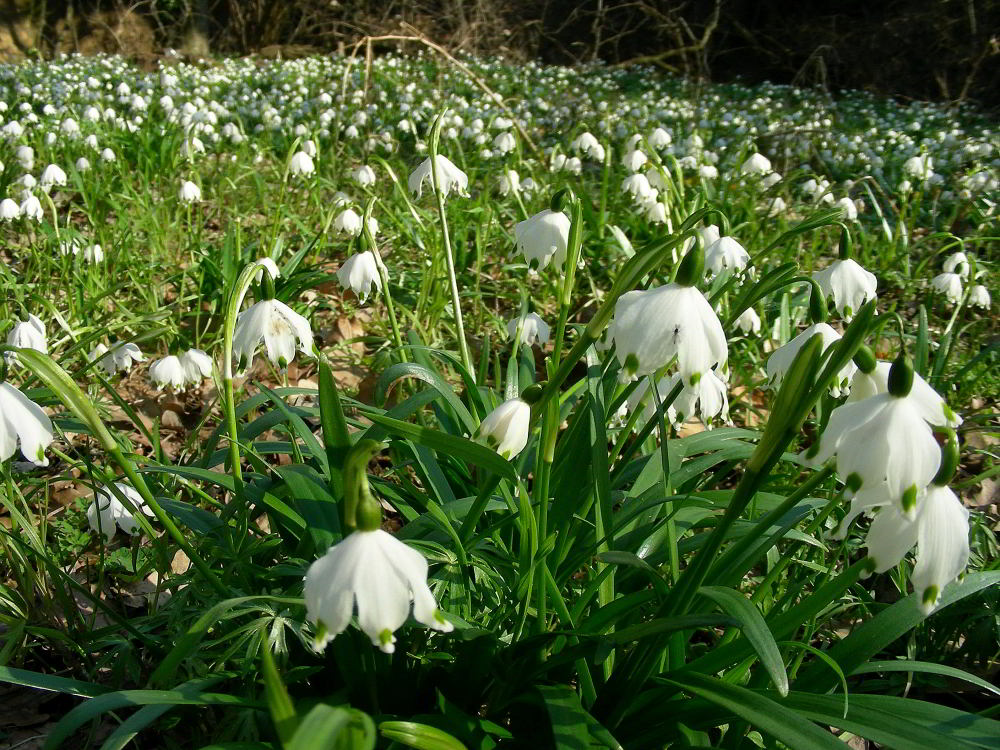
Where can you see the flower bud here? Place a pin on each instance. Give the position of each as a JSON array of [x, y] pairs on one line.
[[900, 376], [692, 267]]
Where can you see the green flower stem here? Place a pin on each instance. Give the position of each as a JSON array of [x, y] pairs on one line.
[[59, 381], [370, 239], [449, 255], [573, 249]]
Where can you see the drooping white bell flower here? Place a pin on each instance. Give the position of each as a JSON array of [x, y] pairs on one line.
[[725, 254], [708, 398], [364, 175], [848, 208], [189, 192], [197, 365], [168, 372], [301, 164], [659, 139], [979, 297], [27, 334], [25, 156], [52, 175], [950, 285], [634, 160], [118, 357], [921, 167], [636, 185], [23, 421], [651, 327], [108, 156], [957, 263], [382, 576], [749, 321], [505, 429], [850, 285], [543, 238], [509, 182], [31, 208], [708, 235], [106, 513], [93, 254], [932, 406], [782, 357], [83, 164], [360, 273], [589, 146], [348, 222], [9, 210], [504, 142], [278, 326], [449, 177], [756, 164], [711, 172], [533, 329]]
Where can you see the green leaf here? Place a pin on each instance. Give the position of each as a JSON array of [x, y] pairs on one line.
[[412, 370], [301, 429], [279, 703], [420, 736], [769, 716], [51, 683], [755, 630], [334, 728], [572, 727], [906, 665]]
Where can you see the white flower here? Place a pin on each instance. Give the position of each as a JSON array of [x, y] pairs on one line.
[[634, 160], [22, 420], [31, 208], [108, 155], [957, 263], [710, 172], [383, 576], [659, 139], [850, 285], [543, 238], [93, 254], [725, 253], [278, 326], [348, 222], [781, 359], [749, 321], [508, 182], [168, 372], [533, 329], [449, 177], [106, 514], [756, 164], [364, 175], [27, 334], [651, 327], [270, 266], [708, 235], [360, 273], [9, 210], [301, 164], [119, 357], [52, 175], [950, 285], [636, 185], [933, 408], [505, 429], [979, 297], [921, 166], [504, 142], [189, 192], [589, 146], [197, 365], [848, 209], [82, 164], [707, 398], [25, 156]]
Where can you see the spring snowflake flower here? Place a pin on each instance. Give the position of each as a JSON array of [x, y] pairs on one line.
[[781, 359], [360, 273], [708, 235], [197, 365], [950, 285], [504, 142], [382, 576], [725, 254], [118, 357], [957, 263], [83, 164], [707, 399], [543, 238], [533, 330], [634, 160], [52, 175], [756, 164], [637, 185], [508, 182], [930, 403], [921, 167], [278, 326], [27, 334], [449, 177], [108, 156], [31, 208], [301, 164], [589, 146], [505, 429], [106, 514], [979, 297], [9, 210], [189, 192], [23, 421], [749, 321], [850, 285], [364, 175], [348, 222], [659, 139], [848, 208], [25, 156], [168, 372], [652, 327], [93, 254]]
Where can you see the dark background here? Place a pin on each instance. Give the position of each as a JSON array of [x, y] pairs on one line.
[[945, 50]]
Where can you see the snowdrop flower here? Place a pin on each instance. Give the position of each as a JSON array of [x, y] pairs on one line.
[[52, 175], [850, 285], [543, 238], [278, 326], [950, 285], [634, 160], [9, 210], [168, 372], [449, 177], [348, 222], [781, 359], [756, 164], [22, 420], [533, 329], [27, 334], [652, 327], [725, 253], [933, 408], [189, 192], [119, 357], [504, 142], [382, 576], [93, 254], [505, 429], [197, 365], [957, 263], [106, 514], [749, 322], [360, 273], [978, 295], [364, 175], [637, 185], [508, 182], [31, 208], [301, 164]]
